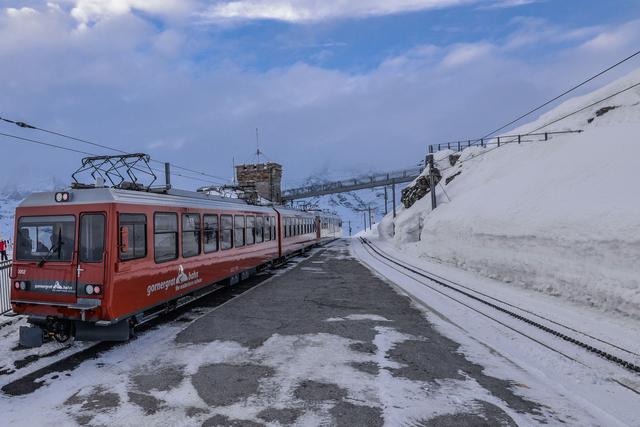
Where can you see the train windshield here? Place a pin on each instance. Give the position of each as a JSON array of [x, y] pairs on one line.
[[52, 237]]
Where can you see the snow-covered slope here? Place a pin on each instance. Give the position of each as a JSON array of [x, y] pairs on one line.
[[561, 217]]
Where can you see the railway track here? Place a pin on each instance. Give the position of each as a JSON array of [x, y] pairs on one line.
[[454, 291]]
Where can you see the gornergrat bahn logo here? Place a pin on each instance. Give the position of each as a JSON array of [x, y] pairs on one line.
[[56, 287], [182, 281]]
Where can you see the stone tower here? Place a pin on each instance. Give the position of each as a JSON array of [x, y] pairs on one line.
[[266, 178]]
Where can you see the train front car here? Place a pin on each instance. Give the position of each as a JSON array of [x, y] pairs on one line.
[[59, 272], [93, 263]]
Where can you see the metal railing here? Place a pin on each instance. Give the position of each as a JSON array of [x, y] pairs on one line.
[[5, 286], [497, 140]]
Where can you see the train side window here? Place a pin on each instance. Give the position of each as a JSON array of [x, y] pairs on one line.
[[210, 233], [274, 226], [226, 222], [190, 235], [286, 227], [267, 228], [238, 230], [136, 225], [251, 230], [259, 229], [91, 237], [165, 236]]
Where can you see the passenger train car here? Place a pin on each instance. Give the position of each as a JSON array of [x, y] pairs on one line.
[[94, 263]]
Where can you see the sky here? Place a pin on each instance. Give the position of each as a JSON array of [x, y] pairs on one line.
[[335, 87]]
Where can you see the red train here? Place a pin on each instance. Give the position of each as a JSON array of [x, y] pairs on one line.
[[93, 263]]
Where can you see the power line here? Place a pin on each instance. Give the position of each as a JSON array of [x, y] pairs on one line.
[[585, 108], [557, 120], [95, 144], [565, 92], [86, 153], [46, 144]]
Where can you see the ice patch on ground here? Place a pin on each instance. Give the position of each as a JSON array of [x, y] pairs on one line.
[[372, 317]]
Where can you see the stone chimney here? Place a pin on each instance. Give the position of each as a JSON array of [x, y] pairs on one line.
[[266, 178]]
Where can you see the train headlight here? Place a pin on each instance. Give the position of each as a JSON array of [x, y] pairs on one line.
[[23, 286], [62, 196], [16, 285], [96, 289], [88, 289]]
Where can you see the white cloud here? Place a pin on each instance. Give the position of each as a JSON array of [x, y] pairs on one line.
[[503, 4], [315, 10], [90, 11], [467, 52], [125, 83], [529, 31], [624, 35], [23, 11]]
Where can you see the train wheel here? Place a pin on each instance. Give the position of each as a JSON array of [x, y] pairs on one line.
[[61, 337], [61, 331], [132, 329]]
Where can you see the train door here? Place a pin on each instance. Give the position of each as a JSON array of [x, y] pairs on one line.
[[317, 221], [90, 271]]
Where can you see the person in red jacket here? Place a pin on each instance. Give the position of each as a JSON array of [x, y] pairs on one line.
[[3, 250]]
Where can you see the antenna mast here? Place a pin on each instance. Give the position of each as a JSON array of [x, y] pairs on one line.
[[258, 152], [233, 161]]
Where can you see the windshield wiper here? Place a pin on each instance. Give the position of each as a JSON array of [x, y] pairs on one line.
[[55, 247]]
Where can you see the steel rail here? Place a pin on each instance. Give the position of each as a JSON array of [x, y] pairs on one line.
[[524, 310], [605, 355]]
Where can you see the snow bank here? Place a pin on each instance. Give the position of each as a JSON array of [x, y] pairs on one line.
[[561, 217]]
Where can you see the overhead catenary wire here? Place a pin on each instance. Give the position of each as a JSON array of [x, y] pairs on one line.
[[554, 121], [21, 139], [95, 144], [566, 92], [555, 98]]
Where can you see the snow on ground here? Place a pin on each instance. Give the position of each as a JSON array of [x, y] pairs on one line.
[[105, 391], [561, 217], [593, 385]]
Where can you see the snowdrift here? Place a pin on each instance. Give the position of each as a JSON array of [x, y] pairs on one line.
[[561, 217]]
